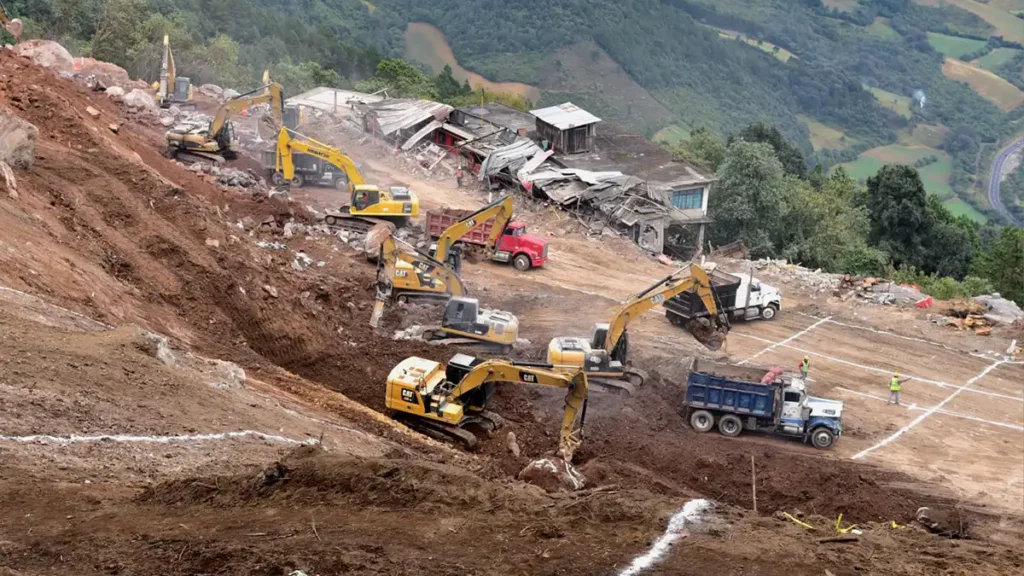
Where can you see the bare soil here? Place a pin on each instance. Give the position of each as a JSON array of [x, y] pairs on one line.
[[109, 241]]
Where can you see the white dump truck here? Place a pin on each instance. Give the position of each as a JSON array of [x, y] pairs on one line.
[[741, 297]]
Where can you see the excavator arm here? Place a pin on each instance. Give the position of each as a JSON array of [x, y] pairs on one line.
[[571, 435], [286, 165], [393, 250], [271, 93], [500, 211], [168, 71], [686, 278]]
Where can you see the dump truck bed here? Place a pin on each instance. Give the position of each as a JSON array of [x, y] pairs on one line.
[[440, 220], [689, 305], [733, 389]]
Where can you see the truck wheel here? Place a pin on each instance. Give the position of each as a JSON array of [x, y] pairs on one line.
[[277, 178], [702, 421], [768, 312], [298, 181], [822, 438], [341, 185], [730, 425], [522, 262]]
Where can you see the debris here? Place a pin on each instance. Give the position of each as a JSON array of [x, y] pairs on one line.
[[155, 345], [1000, 310], [47, 54], [301, 261], [212, 90], [139, 99], [229, 94], [513, 445], [552, 474], [17, 140], [115, 93], [271, 245], [10, 181], [167, 121], [114, 127], [213, 243], [838, 539], [270, 290], [92, 111]]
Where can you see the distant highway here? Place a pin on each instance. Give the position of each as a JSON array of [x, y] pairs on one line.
[[993, 182]]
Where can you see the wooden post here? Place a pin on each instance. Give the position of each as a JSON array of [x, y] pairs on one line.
[[753, 482]]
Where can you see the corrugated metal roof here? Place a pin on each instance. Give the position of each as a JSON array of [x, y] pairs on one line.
[[565, 116], [395, 115]]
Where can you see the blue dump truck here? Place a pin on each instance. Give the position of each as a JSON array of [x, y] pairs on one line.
[[734, 398]]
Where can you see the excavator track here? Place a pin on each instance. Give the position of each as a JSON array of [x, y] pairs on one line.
[[186, 157], [439, 430], [441, 338], [616, 385]]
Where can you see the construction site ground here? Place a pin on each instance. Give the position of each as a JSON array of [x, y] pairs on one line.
[[253, 440]]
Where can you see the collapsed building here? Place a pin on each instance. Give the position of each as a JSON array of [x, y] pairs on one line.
[[606, 178]]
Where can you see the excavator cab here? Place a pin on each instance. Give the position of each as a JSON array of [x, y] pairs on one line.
[[464, 318], [369, 200]]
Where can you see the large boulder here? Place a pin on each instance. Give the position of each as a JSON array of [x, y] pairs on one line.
[[48, 54], [115, 93], [139, 99], [17, 139], [229, 94], [106, 73], [553, 474], [212, 90], [1000, 310]]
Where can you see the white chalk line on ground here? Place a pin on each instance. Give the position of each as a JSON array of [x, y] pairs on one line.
[[917, 408], [123, 438], [691, 513], [787, 340], [885, 370], [911, 338], [888, 440]]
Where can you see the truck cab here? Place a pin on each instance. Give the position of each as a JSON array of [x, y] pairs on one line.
[[816, 419], [522, 249], [764, 300]]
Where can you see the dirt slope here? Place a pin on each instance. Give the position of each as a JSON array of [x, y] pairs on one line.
[[109, 241]]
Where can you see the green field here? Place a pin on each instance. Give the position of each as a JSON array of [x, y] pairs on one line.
[[930, 135], [958, 207], [881, 27], [672, 135], [826, 137], [934, 176], [954, 46], [895, 102], [995, 58]]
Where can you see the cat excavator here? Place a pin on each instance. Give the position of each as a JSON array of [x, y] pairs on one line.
[[604, 356], [446, 247], [214, 141], [172, 90], [368, 204], [405, 273], [443, 401]]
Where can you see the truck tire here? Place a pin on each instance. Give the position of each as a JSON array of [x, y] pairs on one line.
[[730, 425], [277, 178], [768, 312], [341, 185], [522, 262], [822, 438], [702, 421], [298, 181]]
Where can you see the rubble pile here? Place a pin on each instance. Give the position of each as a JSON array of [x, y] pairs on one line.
[[243, 181], [999, 309]]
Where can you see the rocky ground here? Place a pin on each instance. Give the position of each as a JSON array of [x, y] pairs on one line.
[[188, 392]]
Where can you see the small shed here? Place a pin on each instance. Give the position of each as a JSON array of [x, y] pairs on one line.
[[569, 128]]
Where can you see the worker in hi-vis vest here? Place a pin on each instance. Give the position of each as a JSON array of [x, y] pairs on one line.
[[895, 385], [805, 366]]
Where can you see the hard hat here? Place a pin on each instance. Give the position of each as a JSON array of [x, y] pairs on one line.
[[807, 357], [895, 375]]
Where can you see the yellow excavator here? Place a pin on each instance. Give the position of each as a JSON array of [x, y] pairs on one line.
[[214, 141], [443, 401], [367, 202], [605, 356], [446, 248], [172, 90], [405, 273]]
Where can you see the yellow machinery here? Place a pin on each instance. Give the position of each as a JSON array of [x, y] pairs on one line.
[[214, 141], [604, 356], [500, 211], [366, 201], [442, 401], [405, 274], [172, 89]]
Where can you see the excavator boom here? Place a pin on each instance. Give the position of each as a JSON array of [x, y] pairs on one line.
[[500, 211], [427, 269], [271, 93], [686, 278], [285, 163]]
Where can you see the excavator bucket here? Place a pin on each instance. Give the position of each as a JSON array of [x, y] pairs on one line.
[[711, 336]]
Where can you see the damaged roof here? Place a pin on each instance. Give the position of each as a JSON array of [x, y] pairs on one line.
[[401, 114], [324, 98], [565, 116], [501, 115]]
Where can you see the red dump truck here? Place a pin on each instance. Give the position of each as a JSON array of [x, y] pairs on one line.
[[515, 246]]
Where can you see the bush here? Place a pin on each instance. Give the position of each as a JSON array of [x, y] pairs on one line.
[[943, 288]]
